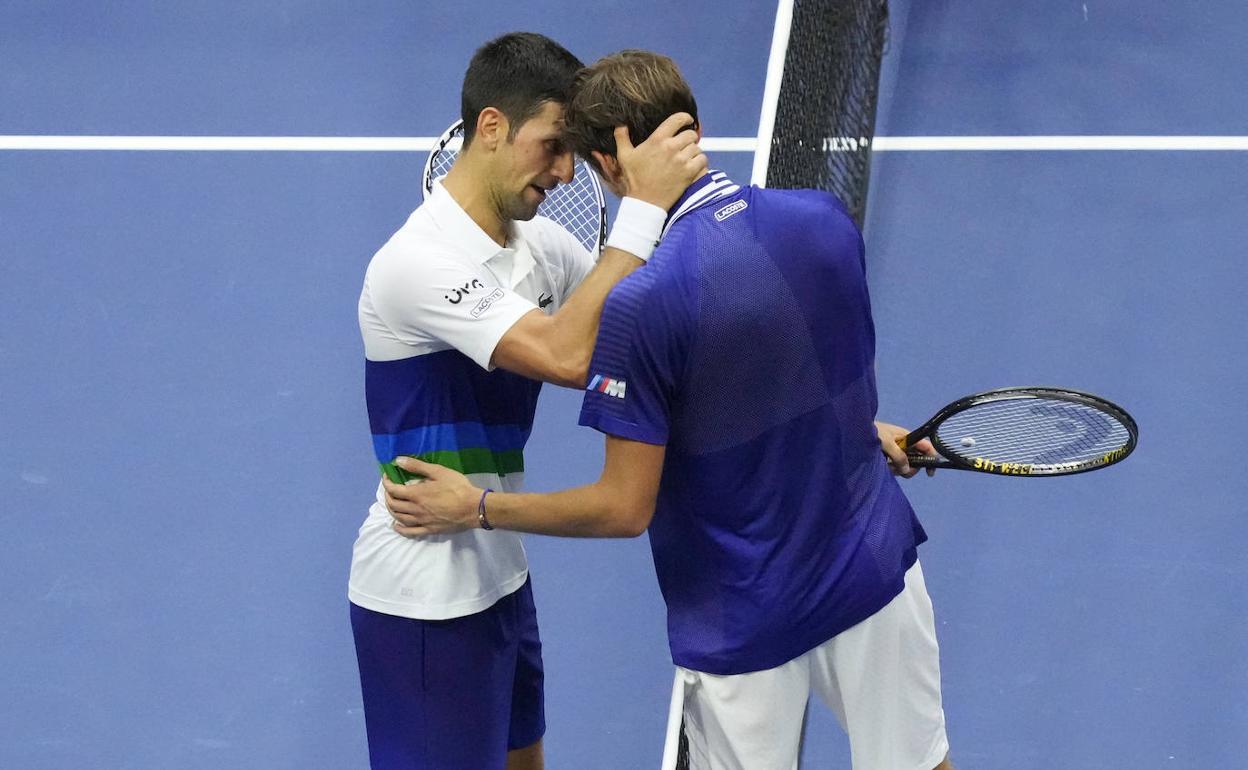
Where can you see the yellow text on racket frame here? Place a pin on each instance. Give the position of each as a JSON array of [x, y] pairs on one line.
[[1007, 469]]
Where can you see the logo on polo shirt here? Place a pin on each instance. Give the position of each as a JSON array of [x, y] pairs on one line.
[[544, 300], [736, 207], [486, 302], [463, 291], [607, 386]]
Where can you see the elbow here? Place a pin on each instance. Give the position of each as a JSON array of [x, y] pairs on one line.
[[578, 375], [572, 372], [632, 519], [629, 530]]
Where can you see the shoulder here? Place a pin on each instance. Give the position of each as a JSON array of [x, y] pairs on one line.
[[658, 294], [814, 202], [737, 215], [809, 215], [416, 247], [551, 242], [417, 266]]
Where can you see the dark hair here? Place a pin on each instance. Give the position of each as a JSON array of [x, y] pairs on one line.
[[516, 74], [633, 88]]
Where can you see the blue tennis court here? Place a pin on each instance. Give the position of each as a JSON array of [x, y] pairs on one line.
[[184, 451]]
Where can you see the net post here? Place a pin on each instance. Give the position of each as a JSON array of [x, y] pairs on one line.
[[771, 91], [675, 748]]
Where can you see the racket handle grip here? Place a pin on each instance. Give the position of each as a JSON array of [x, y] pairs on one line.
[[923, 461]]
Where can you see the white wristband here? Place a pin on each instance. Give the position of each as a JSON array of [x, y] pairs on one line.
[[637, 228]]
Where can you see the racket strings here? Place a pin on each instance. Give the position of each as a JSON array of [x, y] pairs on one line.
[[1032, 431], [577, 206]]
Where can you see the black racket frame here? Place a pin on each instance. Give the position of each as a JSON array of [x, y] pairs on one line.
[[950, 459]]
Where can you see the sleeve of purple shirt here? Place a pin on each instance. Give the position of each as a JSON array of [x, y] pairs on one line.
[[643, 342]]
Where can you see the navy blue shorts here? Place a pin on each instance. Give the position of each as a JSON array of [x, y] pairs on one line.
[[450, 694]]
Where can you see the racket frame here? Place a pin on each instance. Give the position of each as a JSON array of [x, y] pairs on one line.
[[950, 458]]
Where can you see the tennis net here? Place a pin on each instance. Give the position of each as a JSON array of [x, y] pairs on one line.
[[818, 116]]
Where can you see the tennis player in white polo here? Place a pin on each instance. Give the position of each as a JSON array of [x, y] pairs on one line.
[[464, 312]]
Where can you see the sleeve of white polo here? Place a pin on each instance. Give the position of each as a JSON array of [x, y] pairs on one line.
[[638, 226], [442, 298]]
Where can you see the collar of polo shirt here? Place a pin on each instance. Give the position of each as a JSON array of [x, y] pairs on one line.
[[511, 263]]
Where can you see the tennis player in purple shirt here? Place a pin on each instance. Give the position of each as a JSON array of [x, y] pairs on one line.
[[734, 380]]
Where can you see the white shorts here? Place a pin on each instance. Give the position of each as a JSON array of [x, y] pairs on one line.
[[880, 677]]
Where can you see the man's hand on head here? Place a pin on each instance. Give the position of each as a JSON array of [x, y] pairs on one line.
[[659, 170]]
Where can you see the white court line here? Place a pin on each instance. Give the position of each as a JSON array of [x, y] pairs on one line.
[[710, 144], [223, 143], [1057, 143]]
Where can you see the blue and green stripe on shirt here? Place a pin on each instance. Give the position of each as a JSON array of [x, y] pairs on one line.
[[443, 408]]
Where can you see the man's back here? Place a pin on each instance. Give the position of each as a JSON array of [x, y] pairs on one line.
[[747, 347]]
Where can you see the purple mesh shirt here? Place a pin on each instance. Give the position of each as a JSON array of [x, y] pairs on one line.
[[746, 346]]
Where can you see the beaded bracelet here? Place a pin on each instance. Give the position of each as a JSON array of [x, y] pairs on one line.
[[481, 519]]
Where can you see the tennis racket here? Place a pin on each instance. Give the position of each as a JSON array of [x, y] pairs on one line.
[[578, 206], [1026, 432]]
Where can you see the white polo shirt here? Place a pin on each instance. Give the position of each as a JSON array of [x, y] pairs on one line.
[[436, 300]]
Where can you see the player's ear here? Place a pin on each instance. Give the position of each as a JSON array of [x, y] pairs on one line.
[[610, 167], [492, 127]]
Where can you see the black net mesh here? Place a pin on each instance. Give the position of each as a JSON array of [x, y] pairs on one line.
[[682, 750], [825, 116]]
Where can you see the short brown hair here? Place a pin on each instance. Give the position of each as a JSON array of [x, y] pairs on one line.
[[633, 88]]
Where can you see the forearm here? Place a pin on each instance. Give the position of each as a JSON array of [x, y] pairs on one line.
[[588, 511], [620, 504], [574, 328]]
